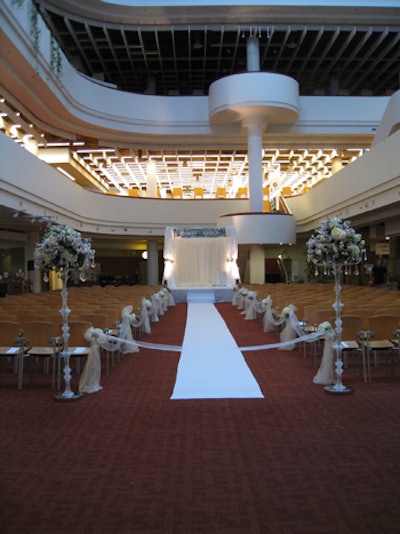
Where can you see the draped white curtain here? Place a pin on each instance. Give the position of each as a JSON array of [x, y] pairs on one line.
[[201, 261]]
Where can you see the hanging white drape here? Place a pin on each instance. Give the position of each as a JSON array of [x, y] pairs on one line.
[[200, 261]]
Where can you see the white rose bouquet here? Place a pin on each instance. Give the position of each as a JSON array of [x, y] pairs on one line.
[[334, 242]]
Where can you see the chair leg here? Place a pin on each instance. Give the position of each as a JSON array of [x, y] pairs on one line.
[[366, 364], [20, 370]]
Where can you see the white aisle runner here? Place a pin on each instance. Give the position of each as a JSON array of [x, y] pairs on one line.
[[211, 365]]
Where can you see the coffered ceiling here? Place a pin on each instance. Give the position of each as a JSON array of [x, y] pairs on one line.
[[182, 50], [165, 51]]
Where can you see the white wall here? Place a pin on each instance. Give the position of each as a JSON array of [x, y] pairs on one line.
[[369, 183]]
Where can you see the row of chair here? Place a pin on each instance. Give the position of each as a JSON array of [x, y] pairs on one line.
[[36, 336], [367, 334]]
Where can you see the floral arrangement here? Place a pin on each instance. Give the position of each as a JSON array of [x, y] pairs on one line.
[[63, 248], [325, 328], [267, 302], [95, 335], [334, 242]]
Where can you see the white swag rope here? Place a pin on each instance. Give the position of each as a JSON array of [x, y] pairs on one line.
[[177, 348], [158, 305], [288, 313]]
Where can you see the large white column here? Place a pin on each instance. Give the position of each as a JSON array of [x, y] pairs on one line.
[[253, 54], [151, 180], [257, 264], [255, 127], [152, 262]]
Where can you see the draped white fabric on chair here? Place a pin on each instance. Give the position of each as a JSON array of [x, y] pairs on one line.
[[200, 257]]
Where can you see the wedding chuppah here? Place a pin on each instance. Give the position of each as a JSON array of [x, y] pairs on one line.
[[200, 263]]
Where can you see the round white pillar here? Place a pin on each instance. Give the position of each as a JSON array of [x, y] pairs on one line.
[[255, 127], [151, 180], [253, 54], [257, 264], [152, 262]]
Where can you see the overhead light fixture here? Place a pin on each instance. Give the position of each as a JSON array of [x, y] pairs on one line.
[[65, 173]]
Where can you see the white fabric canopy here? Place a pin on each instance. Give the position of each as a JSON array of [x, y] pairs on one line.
[[200, 257], [211, 364]]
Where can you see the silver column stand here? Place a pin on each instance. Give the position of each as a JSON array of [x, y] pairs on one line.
[[67, 395], [338, 387]]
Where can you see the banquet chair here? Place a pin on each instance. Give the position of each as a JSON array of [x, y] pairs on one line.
[[388, 310], [242, 192], [97, 320], [177, 192], [378, 341], [351, 343], [113, 316], [221, 192], [198, 192], [323, 314], [396, 342], [309, 326], [41, 344], [364, 313], [309, 316], [12, 348]]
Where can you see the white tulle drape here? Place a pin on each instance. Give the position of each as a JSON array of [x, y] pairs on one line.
[[128, 318], [249, 309], [326, 371], [201, 261], [90, 378]]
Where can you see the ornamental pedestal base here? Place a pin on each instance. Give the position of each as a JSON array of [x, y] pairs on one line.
[[60, 397], [343, 390]]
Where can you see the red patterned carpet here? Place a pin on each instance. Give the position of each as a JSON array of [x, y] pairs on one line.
[[129, 459]]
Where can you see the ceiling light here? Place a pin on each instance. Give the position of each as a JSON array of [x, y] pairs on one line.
[[66, 174], [291, 44], [57, 144]]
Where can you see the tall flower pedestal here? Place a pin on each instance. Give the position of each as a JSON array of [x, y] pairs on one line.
[[336, 247], [67, 394], [63, 250], [338, 387]]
